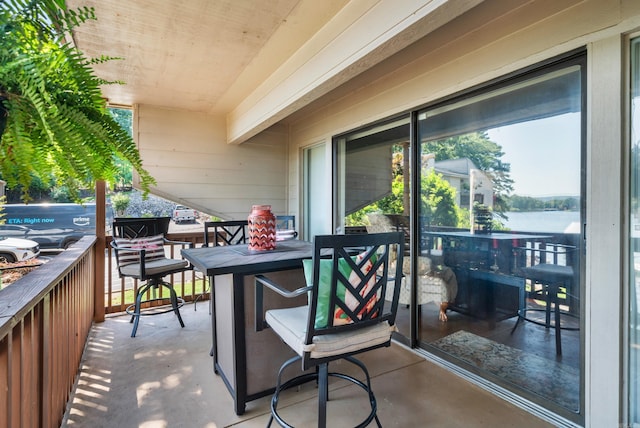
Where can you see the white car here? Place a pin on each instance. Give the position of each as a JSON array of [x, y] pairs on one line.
[[17, 249]]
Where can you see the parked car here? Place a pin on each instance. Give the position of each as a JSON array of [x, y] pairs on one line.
[[11, 231], [182, 213], [17, 249], [52, 226]]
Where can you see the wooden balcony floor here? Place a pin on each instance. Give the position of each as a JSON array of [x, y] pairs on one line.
[[164, 378]]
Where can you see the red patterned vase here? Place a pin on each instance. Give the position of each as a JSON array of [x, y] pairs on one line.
[[262, 228]]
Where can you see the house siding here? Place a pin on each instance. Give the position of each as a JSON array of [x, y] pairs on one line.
[[188, 154]]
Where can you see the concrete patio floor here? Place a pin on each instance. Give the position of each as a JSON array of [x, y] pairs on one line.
[[164, 378]]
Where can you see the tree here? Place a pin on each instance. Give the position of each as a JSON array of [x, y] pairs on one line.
[[124, 170], [54, 121], [120, 203], [438, 202], [485, 154]]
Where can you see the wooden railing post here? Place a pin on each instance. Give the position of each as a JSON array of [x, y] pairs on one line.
[[99, 249]]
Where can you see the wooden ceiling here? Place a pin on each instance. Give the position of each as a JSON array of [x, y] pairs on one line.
[[254, 62], [198, 55]]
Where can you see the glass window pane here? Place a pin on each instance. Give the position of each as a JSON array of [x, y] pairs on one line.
[[500, 214], [372, 190], [317, 219]]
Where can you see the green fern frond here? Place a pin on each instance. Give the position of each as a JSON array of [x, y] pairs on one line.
[[54, 116]]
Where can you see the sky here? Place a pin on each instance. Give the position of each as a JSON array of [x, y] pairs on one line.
[[544, 155]]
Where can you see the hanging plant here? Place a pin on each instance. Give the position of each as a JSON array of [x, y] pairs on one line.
[[53, 118]]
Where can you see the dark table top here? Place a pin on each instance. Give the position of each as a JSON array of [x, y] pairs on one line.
[[237, 259]]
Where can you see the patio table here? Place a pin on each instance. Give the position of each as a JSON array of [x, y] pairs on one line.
[[246, 358], [491, 285]]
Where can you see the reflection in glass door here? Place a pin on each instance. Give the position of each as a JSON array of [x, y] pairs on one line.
[[500, 214], [373, 191], [490, 194], [317, 218]]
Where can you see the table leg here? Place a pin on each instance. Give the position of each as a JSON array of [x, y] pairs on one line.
[[491, 304], [214, 342], [239, 344], [558, 327]]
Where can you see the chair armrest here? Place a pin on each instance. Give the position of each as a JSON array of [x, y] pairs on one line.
[[281, 290], [169, 242], [259, 306]]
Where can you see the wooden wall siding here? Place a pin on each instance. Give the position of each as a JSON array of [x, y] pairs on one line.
[[45, 319], [188, 155]]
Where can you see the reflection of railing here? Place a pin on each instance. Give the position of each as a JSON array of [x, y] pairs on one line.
[[482, 251], [45, 319], [120, 292], [536, 252]]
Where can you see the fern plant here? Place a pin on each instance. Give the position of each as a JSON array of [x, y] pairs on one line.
[[53, 118]]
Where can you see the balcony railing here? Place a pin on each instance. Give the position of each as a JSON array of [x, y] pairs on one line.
[[45, 318]]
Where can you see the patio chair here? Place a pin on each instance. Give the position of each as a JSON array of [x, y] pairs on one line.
[[139, 247], [346, 315], [548, 267], [229, 232]]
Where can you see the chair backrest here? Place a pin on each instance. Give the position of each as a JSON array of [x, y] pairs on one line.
[[536, 252], [230, 232], [350, 276], [138, 227], [133, 234]]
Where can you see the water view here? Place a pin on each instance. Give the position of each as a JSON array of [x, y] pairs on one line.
[[544, 221]]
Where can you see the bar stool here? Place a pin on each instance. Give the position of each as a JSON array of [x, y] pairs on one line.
[[552, 277]]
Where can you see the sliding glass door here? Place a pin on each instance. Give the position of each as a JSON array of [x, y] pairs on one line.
[[500, 214], [488, 188]]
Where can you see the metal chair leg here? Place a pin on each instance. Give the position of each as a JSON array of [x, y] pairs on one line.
[[174, 302], [135, 317], [323, 394]]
